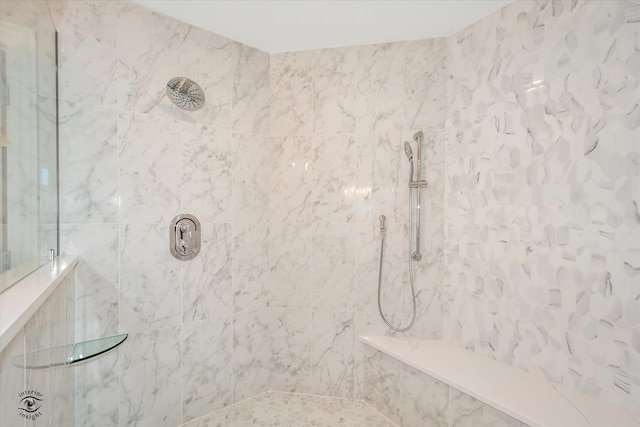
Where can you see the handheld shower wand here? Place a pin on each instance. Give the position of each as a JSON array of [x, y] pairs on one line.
[[409, 153], [418, 183]]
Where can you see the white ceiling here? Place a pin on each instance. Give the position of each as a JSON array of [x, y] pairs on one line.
[[293, 25]]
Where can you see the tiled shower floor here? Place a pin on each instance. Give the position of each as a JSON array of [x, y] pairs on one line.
[[294, 410]]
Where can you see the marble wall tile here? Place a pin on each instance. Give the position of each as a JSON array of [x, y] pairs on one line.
[[423, 400], [332, 353], [87, 54], [150, 170], [250, 98], [150, 53], [150, 382], [215, 57], [356, 176], [334, 192], [250, 178], [381, 383], [250, 269], [290, 253], [164, 161], [367, 263], [332, 267], [370, 324], [380, 87], [149, 279], [205, 185], [88, 163], [207, 288], [291, 83], [291, 345], [97, 392], [206, 366], [334, 90], [291, 180], [251, 353], [425, 70], [96, 293], [383, 173]]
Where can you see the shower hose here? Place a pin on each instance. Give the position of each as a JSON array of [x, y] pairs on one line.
[[411, 278]]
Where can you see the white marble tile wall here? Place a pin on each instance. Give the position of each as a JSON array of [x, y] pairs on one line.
[[289, 166], [542, 233], [131, 160], [284, 217], [339, 118]]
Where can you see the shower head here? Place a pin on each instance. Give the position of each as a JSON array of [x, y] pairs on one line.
[[408, 151], [185, 93]]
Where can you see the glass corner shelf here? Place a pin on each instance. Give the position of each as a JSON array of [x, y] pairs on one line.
[[70, 354]]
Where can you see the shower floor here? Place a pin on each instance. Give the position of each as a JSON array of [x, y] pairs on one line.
[[275, 408]]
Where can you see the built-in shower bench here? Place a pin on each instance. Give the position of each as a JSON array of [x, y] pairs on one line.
[[528, 398]]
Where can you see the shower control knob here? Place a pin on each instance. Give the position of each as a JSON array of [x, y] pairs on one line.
[[184, 237]]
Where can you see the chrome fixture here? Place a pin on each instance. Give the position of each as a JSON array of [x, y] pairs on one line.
[[382, 220], [409, 153], [185, 93], [418, 184], [184, 236]]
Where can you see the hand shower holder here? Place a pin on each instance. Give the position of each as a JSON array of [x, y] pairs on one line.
[[418, 184]]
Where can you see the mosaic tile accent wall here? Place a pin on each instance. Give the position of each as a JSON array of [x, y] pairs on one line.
[[542, 200]]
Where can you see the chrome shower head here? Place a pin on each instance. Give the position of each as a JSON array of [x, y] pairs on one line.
[[185, 93], [408, 151]]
